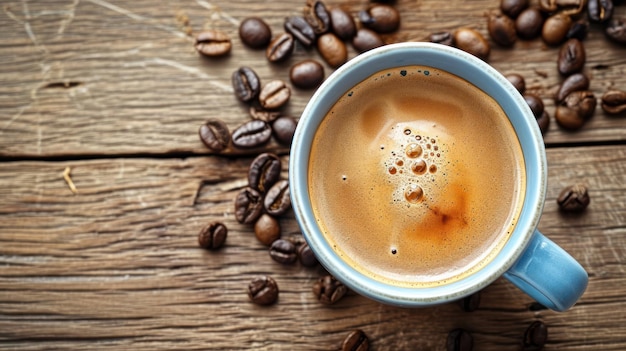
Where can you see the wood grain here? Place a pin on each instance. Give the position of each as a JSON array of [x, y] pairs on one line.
[[117, 265]]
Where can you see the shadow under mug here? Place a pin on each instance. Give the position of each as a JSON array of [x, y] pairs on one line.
[[529, 260]]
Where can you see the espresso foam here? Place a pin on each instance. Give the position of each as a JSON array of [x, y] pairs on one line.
[[414, 177]]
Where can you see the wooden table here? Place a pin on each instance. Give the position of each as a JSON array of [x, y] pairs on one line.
[[110, 94]]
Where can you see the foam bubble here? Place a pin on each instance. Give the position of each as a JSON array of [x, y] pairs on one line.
[[413, 150], [413, 193]]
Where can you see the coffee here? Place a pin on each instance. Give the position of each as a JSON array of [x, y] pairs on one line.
[[416, 177]]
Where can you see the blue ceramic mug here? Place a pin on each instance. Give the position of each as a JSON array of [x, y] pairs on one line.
[[528, 259]]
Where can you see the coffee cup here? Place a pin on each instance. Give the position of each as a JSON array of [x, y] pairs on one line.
[[418, 177]]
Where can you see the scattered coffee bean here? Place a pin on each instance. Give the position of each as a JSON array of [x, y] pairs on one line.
[[264, 171], [274, 94], [306, 256], [459, 340], [513, 8], [342, 24], [366, 39], [212, 236], [600, 10], [529, 23], [255, 33], [536, 336], [252, 134], [332, 49], [518, 82], [317, 15], [283, 129], [263, 115], [248, 206], [574, 111], [571, 57], [574, 82], [329, 290], [283, 251], [578, 30], [614, 101], [267, 229], [246, 84], [277, 200], [471, 41], [213, 43], [263, 290], [301, 30], [555, 29], [544, 122], [356, 341], [444, 38], [306, 74], [470, 303], [568, 7], [214, 134], [573, 198], [548, 6], [501, 29], [535, 103], [280, 48], [380, 18], [615, 29]]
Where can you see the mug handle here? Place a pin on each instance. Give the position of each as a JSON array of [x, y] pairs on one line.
[[548, 274]]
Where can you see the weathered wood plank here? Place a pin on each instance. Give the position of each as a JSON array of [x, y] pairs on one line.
[[109, 77], [117, 266]]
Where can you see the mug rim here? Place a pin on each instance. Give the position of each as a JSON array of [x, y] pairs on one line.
[[478, 73]]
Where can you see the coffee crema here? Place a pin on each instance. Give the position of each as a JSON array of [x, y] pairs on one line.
[[416, 177]]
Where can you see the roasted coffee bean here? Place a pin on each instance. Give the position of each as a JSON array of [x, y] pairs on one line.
[[616, 30], [578, 30], [263, 115], [283, 251], [555, 29], [444, 38], [459, 340], [544, 122], [213, 43], [248, 206], [283, 129], [501, 29], [214, 134], [535, 103], [573, 198], [571, 57], [306, 256], [518, 82], [212, 236], [264, 172], [329, 290], [513, 8], [263, 290], [575, 109], [366, 39], [267, 229], [356, 341], [600, 10], [274, 94], [548, 6], [246, 84], [529, 23], [252, 134], [342, 24], [277, 200], [568, 7], [301, 30], [614, 102], [280, 48], [471, 41], [576, 81], [536, 336], [317, 15], [332, 49], [306, 74], [380, 18], [470, 303], [255, 33]]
